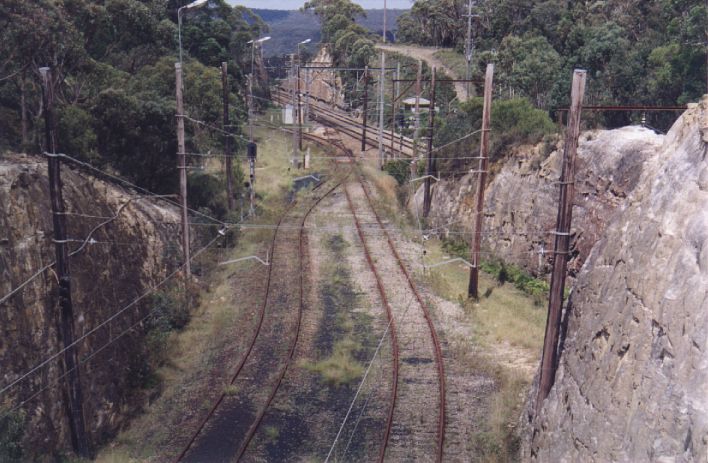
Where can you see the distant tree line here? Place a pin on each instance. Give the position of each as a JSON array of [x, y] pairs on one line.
[[635, 51]]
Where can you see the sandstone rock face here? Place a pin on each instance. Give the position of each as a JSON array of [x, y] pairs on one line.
[[521, 200], [129, 255], [632, 383]]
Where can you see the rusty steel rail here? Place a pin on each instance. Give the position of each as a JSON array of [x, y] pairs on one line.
[[428, 319], [433, 333], [392, 329], [261, 316], [261, 414], [351, 126], [252, 342]]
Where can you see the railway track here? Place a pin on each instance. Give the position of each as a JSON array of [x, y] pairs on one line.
[[411, 433], [228, 428], [350, 126]]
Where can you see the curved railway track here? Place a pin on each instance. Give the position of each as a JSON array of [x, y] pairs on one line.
[[215, 446], [408, 432], [415, 355], [351, 126]]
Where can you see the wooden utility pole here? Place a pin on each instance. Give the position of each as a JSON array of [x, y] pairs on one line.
[[382, 81], [416, 133], [365, 110], [468, 49], [182, 166], [308, 78], [427, 198], [473, 287], [293, 88], [299, 109], [549, 361], [394, 98], [71, 362], [227, 139]]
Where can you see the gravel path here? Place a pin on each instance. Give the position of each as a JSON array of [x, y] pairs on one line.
[[427, 54]]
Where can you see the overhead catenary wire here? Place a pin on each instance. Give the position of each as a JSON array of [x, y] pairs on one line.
[[85, 241], [132, 185], [81, 362]]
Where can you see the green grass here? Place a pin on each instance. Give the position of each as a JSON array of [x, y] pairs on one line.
[[340, 367], [504, 313]]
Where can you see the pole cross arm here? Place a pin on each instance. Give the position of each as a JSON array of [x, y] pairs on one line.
[[451, 261], [241, 259], [423, 178]]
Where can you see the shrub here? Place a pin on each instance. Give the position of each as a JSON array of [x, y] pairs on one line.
[[504, 272], [456, 247], [398, 169]]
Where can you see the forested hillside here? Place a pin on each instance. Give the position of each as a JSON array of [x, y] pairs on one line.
[[113, 77], [289, 27], [635, 51]]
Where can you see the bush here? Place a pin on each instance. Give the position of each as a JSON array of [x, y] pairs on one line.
[[456, 247], [514, 121], [503, 272], [399, 169], [206, 191], [517, 121]]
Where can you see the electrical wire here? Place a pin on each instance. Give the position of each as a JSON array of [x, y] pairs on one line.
[[108, 320], [132, 185]]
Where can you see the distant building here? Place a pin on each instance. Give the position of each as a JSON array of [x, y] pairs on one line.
[[423, 104]]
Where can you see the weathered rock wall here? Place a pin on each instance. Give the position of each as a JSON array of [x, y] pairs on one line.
[[632, 383], [522, 196], [129, 255]]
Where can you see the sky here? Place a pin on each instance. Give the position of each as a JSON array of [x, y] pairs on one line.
[[295, 4]]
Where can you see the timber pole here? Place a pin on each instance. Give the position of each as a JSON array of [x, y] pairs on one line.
[[473, 287], [394, 98], [365, 110], [416, 126], [182, 167], [293, 88], [549, 361], [382, 86], [227, 139], [427, 198], [299, 110], [71, 364]]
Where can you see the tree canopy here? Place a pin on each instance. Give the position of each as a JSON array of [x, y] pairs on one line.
[[113, 76], [634, 51]]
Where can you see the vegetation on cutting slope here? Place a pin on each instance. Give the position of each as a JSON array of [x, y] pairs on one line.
[[113, 79], [635, 51]]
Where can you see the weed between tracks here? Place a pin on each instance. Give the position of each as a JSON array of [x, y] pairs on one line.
[[337, 342]]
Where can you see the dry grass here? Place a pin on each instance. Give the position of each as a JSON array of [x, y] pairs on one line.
[[504, 316]]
